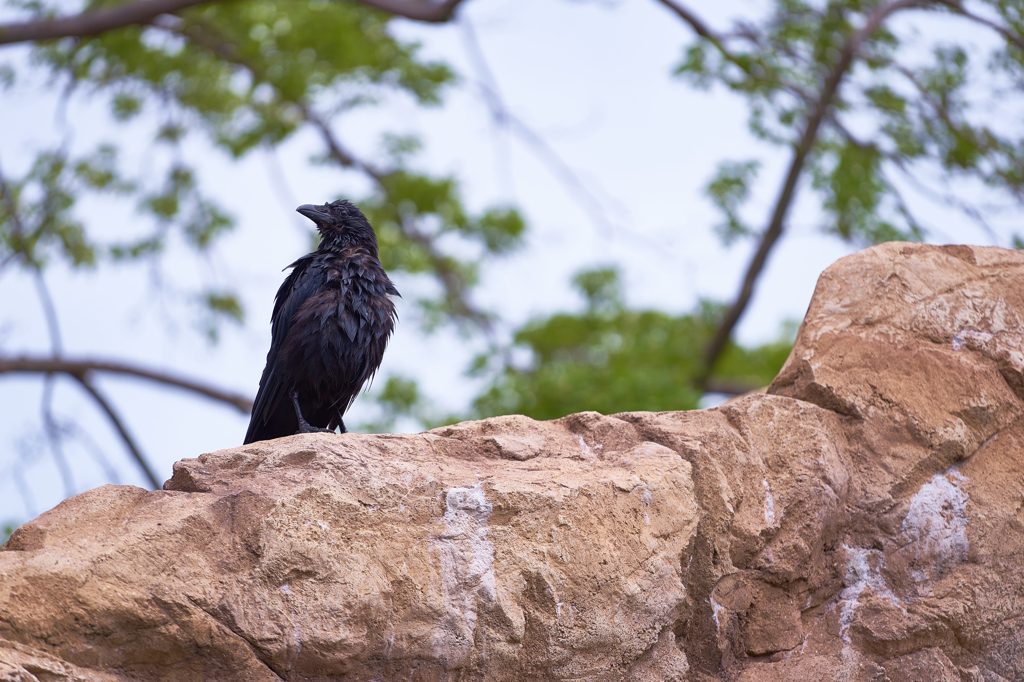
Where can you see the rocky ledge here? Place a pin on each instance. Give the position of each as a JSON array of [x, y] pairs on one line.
[[863, 520]]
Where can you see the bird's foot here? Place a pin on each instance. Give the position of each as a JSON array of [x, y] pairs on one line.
[[305, 427]]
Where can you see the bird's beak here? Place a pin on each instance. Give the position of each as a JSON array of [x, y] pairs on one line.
[[314, 214]]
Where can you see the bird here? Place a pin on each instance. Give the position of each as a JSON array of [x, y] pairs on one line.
[[332, 319]]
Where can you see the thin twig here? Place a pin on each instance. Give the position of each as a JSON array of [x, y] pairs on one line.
[[73, 430], [82, 367], [958, 8], [695, 22], [53, 437], [282, 190], [83, 379], [49, 312]]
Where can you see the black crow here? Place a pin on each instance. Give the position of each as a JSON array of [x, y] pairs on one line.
[[332, 319]]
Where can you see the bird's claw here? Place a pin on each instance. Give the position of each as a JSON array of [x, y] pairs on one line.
[[309, 428]]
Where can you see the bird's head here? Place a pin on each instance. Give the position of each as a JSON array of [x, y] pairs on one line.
[[341, 223]]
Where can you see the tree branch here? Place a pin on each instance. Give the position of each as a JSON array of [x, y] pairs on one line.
[[83, 379], [417, 10], [80, 369], [94, 22], [695, 22], [785, 199]]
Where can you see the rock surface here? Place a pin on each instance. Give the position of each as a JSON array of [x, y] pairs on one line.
[[864, 520]]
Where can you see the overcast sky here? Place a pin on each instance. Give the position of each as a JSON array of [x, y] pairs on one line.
[[592, 79]]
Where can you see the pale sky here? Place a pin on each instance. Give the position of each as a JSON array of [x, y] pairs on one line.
[[593, 79]]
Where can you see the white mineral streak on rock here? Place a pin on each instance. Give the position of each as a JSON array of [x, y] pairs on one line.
[[467, 571], [645, 498], [967, 337], [588, 452], [861, 575], [716, 609], [936, 523], [769, 504], [389, 641]]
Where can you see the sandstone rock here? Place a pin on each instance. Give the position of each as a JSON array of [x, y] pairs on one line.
[[861, 521]]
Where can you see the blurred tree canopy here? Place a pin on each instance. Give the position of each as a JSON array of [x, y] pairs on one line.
[[611, 358], [866, 111]]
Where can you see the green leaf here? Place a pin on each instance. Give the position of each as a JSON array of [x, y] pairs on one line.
[[729, 190], [219, 306], [7, 530], [126, 106], [502, 229], [601, 288]]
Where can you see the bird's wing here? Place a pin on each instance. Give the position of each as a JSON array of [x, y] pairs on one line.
[[299, 285]]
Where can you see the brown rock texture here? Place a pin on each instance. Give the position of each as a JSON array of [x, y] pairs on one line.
[[863, 520]]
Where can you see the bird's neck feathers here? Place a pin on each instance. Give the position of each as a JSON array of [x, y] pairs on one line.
[[335, 242]]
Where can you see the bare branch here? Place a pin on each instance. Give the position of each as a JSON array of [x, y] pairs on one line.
[[50, 311], [80, 369], [94, 22], [417, 10], [772, 233], [695, 22], [83, 379]]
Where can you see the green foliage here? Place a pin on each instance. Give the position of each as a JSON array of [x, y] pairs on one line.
[[400, 397], [600, 289], [906, 114], [215, 307], [613, 359], [36, 218], [7, 529], [728, 190]]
